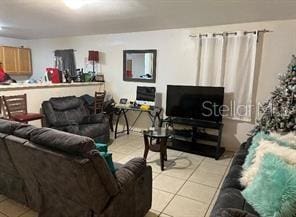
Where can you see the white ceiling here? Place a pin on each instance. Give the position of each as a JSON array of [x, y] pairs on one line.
[[29, 19]]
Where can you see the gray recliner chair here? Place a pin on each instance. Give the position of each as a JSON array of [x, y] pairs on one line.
[[63, 175], [69, 114]]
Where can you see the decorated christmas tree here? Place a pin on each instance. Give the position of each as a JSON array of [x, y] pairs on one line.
[[279, 112]]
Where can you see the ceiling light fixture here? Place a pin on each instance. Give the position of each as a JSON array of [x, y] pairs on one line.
[[74, 4]]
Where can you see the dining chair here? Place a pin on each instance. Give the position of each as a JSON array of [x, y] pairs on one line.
[[15, 108]]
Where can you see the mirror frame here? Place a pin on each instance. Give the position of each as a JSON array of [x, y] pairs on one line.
[[153, 51]]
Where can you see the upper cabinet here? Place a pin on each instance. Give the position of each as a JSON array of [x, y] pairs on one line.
[[24, 61], [16, 60]]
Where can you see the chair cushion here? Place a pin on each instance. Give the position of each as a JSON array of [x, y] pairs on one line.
[[93, 119], [66, 142], [65, 103], [26, 117], [7, 126]]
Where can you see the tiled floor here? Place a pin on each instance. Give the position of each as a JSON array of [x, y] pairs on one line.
[[187, 188]]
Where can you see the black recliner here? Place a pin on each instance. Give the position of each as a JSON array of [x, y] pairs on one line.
[[69, 114]]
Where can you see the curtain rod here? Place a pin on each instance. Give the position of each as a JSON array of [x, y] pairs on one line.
[[231, 33], [66, 49]]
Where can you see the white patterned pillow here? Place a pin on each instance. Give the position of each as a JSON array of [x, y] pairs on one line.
[[289, 137], [265, 146]]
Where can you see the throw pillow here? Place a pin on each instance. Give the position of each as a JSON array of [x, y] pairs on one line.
[[109, 161], [273, 190], [102, 147], [288, 137], [265, 146], [255, 143]]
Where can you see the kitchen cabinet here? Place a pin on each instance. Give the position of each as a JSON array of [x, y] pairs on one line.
[[16, 61]]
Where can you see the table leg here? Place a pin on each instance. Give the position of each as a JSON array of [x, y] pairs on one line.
[[111, 121], [146, 141], [163, 152], [161, 161], [126, 122], [117, 121]]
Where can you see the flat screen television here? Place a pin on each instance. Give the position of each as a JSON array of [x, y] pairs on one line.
[[195, 102]]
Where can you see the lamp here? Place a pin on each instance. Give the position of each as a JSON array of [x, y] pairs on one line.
[[94, 57]]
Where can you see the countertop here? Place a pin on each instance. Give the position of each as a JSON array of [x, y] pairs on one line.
[[20, 86]]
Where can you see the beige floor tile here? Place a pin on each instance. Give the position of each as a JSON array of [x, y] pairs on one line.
[[160, 199], [213, 168], [173, 153], [178, 172], [184, 162], [2, 197], [206, 178], [152, 213], [116, 156], [12, 208], [185, 207], [198, 192], [193, 157], [164, 215], [212, 205], [223, 160], [2, 215], [125, 150], [154, 175], [168, 183], [154, 162], [31, 213]]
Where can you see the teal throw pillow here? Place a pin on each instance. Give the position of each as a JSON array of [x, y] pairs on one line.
[[102, 147], [255, 143], [108, 158], [273, 190]]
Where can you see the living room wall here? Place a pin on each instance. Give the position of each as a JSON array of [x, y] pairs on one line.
[[176, 61]]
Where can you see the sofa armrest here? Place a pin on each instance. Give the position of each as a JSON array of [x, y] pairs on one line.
[[94, 119], [130, 171], [231, 212]]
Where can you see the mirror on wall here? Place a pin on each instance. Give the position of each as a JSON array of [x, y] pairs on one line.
[[139, 65]]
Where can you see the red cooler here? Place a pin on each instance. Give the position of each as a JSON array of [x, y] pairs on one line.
[[53, 75]]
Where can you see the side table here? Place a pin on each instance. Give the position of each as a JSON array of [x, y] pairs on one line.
[[156, 141]]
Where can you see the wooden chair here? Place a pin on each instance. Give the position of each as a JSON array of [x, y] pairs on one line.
[[15, 108], [99, 102], [99, 107]]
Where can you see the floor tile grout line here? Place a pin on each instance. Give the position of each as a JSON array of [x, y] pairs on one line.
[[176, 194], [222, 180], [3, 214]]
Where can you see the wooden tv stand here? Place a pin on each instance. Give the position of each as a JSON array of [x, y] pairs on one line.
[[196, 140]]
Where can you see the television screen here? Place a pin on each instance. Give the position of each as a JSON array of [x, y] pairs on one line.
[[196, 102], [146, 93]]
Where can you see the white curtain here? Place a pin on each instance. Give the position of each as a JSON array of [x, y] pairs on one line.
[[229, 61], [211, 61]]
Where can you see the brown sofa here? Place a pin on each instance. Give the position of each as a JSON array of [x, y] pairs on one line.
[[62, 175]]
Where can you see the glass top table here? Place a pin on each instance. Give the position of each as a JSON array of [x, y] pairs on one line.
[[158, 133], [156, 141]]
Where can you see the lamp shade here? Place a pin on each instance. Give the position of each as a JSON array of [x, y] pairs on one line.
[[93, 56]]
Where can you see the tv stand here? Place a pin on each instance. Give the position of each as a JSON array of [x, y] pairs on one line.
[[196, 140]]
